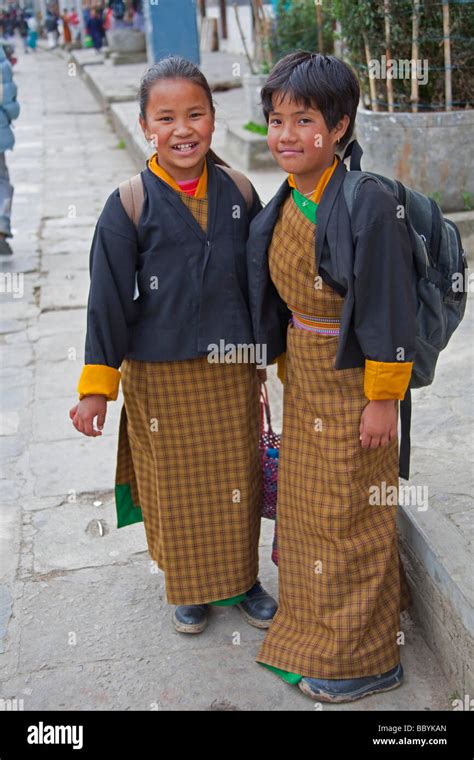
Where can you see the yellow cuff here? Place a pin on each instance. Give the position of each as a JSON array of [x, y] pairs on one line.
[[100, 379], [281, 365], [280, 361], [386, 380]]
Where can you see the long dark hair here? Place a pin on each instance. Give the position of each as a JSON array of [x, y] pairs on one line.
[[175, 67]]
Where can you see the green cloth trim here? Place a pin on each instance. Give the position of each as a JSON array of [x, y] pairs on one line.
[[307, 207], [231, 600], [285, 674], [127, 512]]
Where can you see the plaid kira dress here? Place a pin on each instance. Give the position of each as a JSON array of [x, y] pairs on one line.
[[188, 453], [341, 583]]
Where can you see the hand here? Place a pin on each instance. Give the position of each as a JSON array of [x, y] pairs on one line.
[[262, 376], [83, 414], [378, 424]]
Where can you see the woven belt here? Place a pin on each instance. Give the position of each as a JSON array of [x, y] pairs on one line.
[[321, 325]]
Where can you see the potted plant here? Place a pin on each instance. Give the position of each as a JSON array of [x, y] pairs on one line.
[[414, 59], [259, 63], [296, 24]]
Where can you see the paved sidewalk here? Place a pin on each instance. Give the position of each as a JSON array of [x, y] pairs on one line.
[[83, 619], [436, 531]]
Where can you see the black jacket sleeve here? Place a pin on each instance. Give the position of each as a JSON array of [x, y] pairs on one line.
[[256, 206], [384, 292], [111, 307]]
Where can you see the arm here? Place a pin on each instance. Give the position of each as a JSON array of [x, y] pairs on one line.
[[253, 210], [111, 308], [384, 309], [9, 104], [268, 312]]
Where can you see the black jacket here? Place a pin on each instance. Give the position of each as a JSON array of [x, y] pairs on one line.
[[368, 262], [192, 285]]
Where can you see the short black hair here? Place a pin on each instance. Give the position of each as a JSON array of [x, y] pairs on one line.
[[319, 81]]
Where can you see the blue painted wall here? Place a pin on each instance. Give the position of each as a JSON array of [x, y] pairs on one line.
[[171, 29]]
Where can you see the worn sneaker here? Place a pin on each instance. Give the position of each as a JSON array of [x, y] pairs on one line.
[[348, 690]]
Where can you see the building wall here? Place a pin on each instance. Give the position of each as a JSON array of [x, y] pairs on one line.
[[233, 43]]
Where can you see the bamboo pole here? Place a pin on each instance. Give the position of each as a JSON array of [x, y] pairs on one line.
[[415, 27], [267, 26], [388, 54], [262, 32], [447, 57], [223, 14], [242, 36], [372, 87], [258, 32], [319, 21]]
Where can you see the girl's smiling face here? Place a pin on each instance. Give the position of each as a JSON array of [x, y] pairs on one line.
[[180, 121], [300, 140]]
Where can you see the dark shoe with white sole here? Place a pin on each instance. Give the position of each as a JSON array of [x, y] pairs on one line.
[[348, 690], [5, 249], [191, 618], [259, 607]]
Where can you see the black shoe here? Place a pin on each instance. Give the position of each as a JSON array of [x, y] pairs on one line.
[[259, 607], [190, 618]]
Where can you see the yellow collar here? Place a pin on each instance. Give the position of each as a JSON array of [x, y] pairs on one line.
[[326, 176], [155, 167]]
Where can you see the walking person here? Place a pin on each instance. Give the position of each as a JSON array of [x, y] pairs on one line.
[[75, 27], [164, 294], [335, 294], [51, 26], [9, 110], [23, 29], [67, 38], [32, 36], [95, 28]]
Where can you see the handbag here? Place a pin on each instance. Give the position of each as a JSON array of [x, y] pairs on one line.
[[269, 455], [269, 451]]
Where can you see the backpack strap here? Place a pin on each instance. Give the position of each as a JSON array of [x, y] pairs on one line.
[[405, 442], [355, 152], [132, 196], [132, 193], [242, 182], [352, 182]]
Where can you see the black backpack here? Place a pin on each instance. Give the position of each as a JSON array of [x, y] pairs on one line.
[[439, 269]]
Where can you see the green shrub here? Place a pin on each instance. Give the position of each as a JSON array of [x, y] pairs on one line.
[[365, 19], [295, 27]]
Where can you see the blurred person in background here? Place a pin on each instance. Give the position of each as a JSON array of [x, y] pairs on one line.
[[51, 27], [23, 29], [32, 37], [67, 38], [9, 110], [75, 27], [95, 28]]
